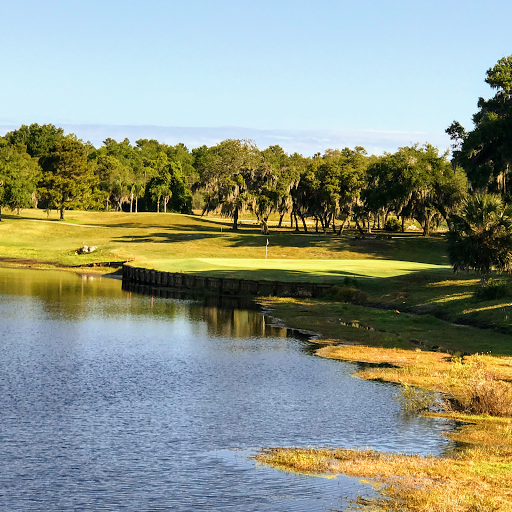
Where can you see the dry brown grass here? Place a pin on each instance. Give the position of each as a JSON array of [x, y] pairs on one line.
[[476, 478], [399, 357], [476, 384], [484, 432], [472, 481]]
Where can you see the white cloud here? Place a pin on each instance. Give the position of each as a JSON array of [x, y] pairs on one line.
[[306, 142]]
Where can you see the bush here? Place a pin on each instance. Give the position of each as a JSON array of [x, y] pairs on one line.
[[495, 289], [348, 294], [393, 224], [350, 281], [479, 391], [484, 394], [414, 399], [489, 396]]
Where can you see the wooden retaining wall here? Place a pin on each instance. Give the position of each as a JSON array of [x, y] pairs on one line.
[[221, 285]]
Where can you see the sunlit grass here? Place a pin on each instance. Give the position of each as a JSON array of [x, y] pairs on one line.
[[386, 328], [473, 481]]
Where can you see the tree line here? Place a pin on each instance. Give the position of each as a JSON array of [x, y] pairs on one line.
[[41, 166]]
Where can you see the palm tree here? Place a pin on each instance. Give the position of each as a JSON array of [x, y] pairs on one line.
[[137, 190], [481, 236]]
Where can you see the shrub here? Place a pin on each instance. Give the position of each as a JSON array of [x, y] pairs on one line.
[[479, 391], [350, 281], [393, 224], [485, 394], [348, 294], [495, 289], [414, 399]]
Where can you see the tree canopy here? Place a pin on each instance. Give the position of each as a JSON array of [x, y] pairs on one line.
[[485, 152], [68, 181], [335, 189]]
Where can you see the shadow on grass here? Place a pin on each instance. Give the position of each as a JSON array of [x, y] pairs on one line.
[[413, 247], [13, 216], [163, 237], [334, 277]]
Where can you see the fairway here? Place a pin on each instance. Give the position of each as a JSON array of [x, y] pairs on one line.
[[301, 270]]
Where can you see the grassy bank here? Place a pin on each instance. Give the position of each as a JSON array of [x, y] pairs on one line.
[[389, 328], [476, 480], [476, 477]]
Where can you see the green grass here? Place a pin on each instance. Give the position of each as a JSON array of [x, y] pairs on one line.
[[407, 273], [308, 270], [153, 238], [386, 328]]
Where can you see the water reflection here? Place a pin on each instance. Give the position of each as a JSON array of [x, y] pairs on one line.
[[112, 400]]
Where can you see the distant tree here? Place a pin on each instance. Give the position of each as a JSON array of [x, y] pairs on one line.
[[223, 174], [38, 139], [353, 164], [179, 154], [415, 182], [272, 182], [19, 174], [68, 181], [481, 236], [136, 190], [114, 179], [169, 188]]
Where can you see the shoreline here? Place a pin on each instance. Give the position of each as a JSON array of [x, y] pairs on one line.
[[480, 475], [104, 268], [475, 478]]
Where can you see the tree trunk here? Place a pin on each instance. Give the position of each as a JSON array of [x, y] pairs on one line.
[[328, 218], [62, 214], [280, 221], [131, 203], [303, 222], [403, 223], [136, 203], [316, 224], [235, 220], [264, 226], [0, 214], [296, 222], [426, 224], [358, 226], [345, 224], [291, 220], [334, 224]]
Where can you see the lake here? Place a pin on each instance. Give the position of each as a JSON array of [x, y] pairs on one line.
[[110, 400]]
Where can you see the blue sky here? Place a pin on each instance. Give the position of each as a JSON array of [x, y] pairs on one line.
[[323, 71]]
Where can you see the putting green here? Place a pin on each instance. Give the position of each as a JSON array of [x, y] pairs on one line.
[[298, 268]]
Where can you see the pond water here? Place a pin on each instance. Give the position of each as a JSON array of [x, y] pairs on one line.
[[110, 400]]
